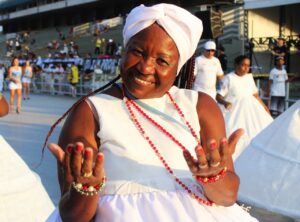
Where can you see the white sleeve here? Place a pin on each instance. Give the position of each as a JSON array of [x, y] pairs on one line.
[[219, 68], [285, 75], [271, 77], [223, 91]]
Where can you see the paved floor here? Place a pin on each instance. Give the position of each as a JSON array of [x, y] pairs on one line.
[[26, 132]]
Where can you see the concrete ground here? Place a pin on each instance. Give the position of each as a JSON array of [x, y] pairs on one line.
[[26, 132]]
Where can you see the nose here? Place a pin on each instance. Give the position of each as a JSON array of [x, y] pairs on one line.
[[146, 66]]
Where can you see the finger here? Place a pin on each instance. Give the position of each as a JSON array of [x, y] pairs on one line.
[[67, 161], [87, 166], [234, 138], [99, 165], [190, 161], [76, 159], [224, 149], [57, 151], [201, 156], [214, 154]]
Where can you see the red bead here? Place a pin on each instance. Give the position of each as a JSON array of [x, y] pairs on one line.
[[129, 102]]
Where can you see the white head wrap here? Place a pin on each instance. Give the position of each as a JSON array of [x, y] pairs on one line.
[[183, 27]]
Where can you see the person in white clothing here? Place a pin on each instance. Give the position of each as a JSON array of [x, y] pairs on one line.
[[241, 105], [278, 78], [208, 71], [26, 79], [139, 127]]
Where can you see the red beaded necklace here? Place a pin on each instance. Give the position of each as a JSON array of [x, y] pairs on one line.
[[129, 102]]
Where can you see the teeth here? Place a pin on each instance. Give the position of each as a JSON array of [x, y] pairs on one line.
[[146, 83]]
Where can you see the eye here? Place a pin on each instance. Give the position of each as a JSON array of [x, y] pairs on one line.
[[161, 61], [137, 52]]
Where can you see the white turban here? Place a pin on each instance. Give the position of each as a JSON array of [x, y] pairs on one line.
[[183, 27]]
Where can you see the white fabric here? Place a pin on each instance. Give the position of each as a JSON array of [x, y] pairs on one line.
[[26, 80], [14, 86], [182, 26], [139, 189], [206, 72], [210, 45], [278, 77], [270, 166], [22, 195], [246, 111]]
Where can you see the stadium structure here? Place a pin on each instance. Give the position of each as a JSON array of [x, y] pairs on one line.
[[17, 15]]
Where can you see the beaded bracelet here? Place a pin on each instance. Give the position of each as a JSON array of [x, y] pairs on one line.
[[213, 179], [89, 190]]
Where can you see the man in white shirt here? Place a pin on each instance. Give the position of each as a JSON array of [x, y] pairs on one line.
[[277, 79], [207, 71]]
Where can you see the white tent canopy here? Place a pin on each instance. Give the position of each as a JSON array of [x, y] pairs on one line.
[[256, 4], [269, 168]]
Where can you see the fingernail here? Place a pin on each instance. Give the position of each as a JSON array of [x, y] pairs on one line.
[[88, 153], [199, 150], [79, 147], [70, 148], [223, 141], [213, 145], [100, 156]]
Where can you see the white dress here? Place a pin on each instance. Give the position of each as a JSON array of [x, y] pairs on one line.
[[246, 111], [22, 195], [270, 166], [139, 188]]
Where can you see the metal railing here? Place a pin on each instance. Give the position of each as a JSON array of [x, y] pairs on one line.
[[288, 99]]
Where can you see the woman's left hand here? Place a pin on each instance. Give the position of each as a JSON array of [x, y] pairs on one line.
[[214, 160]]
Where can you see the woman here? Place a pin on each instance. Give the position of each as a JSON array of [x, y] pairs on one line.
[[14, 75], [26, 79], [241, 105], [148, 155]]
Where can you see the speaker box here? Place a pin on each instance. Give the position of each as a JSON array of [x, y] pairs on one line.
[[212, 23]]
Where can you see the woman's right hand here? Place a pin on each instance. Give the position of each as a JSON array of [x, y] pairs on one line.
[[78, 164]]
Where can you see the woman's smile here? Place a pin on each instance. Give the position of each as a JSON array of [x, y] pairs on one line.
[[143, 82]]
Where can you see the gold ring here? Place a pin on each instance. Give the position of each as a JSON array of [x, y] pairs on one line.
[[89, 174], [215, 164], [203, 166]]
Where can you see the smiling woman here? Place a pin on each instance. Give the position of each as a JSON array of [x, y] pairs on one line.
[[150, 65], [148, 132]]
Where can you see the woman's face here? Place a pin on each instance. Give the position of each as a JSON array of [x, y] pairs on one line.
[[149, 66], [15, 62], [243, 68]]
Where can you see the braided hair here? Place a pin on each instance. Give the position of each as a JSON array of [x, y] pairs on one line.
[[186, 75]]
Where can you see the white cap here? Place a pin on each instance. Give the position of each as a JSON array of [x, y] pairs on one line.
[[210, 45]]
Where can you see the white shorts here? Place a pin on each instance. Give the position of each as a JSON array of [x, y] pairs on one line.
[[26, 80], [14, 86]]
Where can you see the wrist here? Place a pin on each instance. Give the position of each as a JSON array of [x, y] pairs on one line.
[[212, 179]]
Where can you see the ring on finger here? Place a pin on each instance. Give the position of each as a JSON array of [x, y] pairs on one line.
[[215, 164], [89, 174], [203, 166]]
